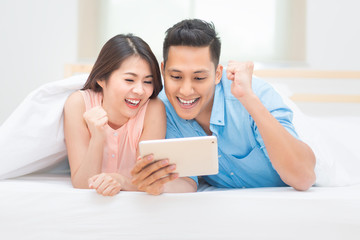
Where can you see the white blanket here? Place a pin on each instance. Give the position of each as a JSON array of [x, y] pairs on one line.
[[46, 206], [32, 138], [334, 141]]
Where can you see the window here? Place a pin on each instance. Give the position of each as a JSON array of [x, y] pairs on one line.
[[270, 31]]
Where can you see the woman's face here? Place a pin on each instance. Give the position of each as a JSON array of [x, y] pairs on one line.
[[128, 88]]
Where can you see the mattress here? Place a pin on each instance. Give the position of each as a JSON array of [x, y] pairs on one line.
[[46, 206]]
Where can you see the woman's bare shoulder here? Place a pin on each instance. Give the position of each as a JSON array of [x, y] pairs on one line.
[[156, 105], [155, 112], [75, 102]]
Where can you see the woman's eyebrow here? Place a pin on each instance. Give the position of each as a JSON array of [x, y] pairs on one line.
[[131, 73], [135, 75]]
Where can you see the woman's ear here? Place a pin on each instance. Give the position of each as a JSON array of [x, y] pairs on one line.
[[101, 83], [218, 73]]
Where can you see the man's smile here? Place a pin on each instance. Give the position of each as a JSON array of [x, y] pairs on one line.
[[187, 103]]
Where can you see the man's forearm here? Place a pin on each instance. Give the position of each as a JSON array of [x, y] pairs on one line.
[[292, 159], [181, 185]]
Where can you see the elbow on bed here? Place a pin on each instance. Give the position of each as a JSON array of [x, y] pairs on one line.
[[305, 181], [304, 176], [79, 185]]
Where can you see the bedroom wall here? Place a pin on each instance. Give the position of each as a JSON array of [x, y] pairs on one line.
[[332, 39], [333, 34], [36, 38]]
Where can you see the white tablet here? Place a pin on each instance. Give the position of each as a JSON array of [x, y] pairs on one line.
[[194, 156]]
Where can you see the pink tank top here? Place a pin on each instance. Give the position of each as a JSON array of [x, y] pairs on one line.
[[121, 144]]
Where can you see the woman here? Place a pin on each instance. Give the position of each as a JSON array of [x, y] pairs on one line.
[[116, 109]]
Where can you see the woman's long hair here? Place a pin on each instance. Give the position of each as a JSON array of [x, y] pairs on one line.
[[117, 50]]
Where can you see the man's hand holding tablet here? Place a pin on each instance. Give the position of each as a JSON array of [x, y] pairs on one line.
[[164, 160]]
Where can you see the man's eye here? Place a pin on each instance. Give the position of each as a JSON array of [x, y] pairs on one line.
[[199, 78], [175, 77]]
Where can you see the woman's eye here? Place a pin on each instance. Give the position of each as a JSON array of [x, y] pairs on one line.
[[129, 80], [148, 82], [175, 77]]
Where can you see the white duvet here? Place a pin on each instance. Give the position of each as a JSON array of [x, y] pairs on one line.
[[46, 206], [32, 138]]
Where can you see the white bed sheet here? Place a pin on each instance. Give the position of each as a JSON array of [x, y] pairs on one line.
[[45, 206], [32, 138]]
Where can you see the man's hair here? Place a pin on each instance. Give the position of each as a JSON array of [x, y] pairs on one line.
[[193, 33]]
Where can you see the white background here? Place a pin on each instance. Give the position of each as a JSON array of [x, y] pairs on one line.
[[37, 37]]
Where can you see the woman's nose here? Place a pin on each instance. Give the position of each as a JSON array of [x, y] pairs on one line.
[[139, 89]]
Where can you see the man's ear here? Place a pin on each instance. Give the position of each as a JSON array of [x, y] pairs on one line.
[[218, 73], [162, 69]]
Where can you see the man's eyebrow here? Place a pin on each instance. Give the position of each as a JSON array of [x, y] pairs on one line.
[[202, 71], [198, 71], [173, 70]]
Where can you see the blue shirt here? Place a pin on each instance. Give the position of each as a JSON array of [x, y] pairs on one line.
[[243, 159]]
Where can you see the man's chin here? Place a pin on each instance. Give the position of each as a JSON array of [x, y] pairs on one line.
[[186, 115]]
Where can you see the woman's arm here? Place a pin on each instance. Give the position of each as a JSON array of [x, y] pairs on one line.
[[85, 152], [154, 182]]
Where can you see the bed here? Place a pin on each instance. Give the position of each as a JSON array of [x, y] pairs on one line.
[[38, 202]]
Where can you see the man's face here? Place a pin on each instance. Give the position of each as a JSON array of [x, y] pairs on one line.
[[190, 78]]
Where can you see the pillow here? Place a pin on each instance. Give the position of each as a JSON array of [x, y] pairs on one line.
[[337, 161], [32, 138]]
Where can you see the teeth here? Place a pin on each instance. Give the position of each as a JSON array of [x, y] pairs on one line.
[[134, 102], [187, 102]]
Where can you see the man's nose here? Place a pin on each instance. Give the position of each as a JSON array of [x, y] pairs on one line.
[[186, 88]]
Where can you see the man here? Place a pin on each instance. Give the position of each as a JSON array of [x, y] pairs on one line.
[[258, 145]]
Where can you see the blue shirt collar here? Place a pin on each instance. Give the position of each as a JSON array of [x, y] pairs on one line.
[[218, 111]]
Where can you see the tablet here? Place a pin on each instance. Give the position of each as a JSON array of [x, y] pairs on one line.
[[194, 156]]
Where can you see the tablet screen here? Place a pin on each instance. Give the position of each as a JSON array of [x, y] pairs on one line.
[[194, 156]]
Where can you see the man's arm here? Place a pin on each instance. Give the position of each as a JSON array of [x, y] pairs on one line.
[[292, 159]]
